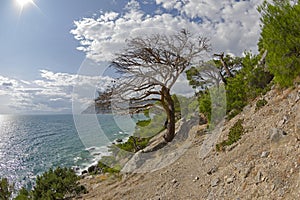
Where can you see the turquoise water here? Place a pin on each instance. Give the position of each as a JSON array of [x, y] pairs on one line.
[[31, 144]]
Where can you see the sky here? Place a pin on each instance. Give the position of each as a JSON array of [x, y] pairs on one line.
[[55, 52]]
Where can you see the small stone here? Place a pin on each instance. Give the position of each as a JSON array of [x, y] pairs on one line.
[[264, 154], [89, 177], [176, 185], [259, 177], [174, 181], [280, 123], [197, 178], [248, 170], [272, 187], [215, 182], [230, 180], [212, 170], [297, 98]]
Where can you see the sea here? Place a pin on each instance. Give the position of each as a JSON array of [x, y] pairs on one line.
[[32, 144]]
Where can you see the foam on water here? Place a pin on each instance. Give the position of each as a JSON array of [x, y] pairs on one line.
[[30, 145]]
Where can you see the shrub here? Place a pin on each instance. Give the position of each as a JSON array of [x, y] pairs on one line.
[[57, 184], [106, 169], [134, 144], [24, 194], [260, 103], [5, 189], [234, 135]]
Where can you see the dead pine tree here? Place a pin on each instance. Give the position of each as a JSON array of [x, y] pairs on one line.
[[149, 67]]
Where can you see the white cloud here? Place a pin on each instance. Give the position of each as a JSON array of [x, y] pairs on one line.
[[232, 26], [52, 93], [133, 5]]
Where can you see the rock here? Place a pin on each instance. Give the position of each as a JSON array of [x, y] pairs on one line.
[[119, 140], [276, 134], [283, 121], [197, 178], [92, 168], [212, 170], [297, 96], [259, 176], [84, 172], [174, 181], [264, 154], [247, 171], [215, 182], [176, 185], [230, 180], [89, 177]]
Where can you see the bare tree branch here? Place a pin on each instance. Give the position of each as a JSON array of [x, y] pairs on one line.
[[149, 67]]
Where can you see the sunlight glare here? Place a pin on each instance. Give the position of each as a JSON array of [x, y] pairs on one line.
[[23, 3]]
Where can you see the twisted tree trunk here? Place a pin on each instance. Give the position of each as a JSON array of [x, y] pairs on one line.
[[168, 105]]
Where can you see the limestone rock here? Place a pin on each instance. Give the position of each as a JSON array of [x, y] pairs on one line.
[[212, 170], [277, 134], [230, 180], [215, 182], [265, 154]]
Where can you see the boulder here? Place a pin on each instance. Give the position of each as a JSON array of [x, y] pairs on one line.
[[92, 168]]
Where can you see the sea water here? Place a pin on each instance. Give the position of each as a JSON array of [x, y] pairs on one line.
[[32, 144]]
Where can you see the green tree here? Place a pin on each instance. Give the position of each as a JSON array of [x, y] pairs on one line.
[[5, 189], [57, 184], [250, 81], [280, 36], [213, 72], [24, 194]]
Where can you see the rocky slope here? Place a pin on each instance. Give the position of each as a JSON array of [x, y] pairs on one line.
[[263, 164]]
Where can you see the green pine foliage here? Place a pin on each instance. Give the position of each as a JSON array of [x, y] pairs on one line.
[[205, 105], [5, 189], [248, 83], [57, 184], [24, 194], [280, 36]]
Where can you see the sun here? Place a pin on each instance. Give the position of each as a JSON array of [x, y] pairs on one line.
[[23, 3]]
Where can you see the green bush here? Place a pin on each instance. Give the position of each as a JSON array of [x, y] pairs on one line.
[[234, 135], [5, 189], [106, 169], [134, 144], [260, 103], [24, 194]]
